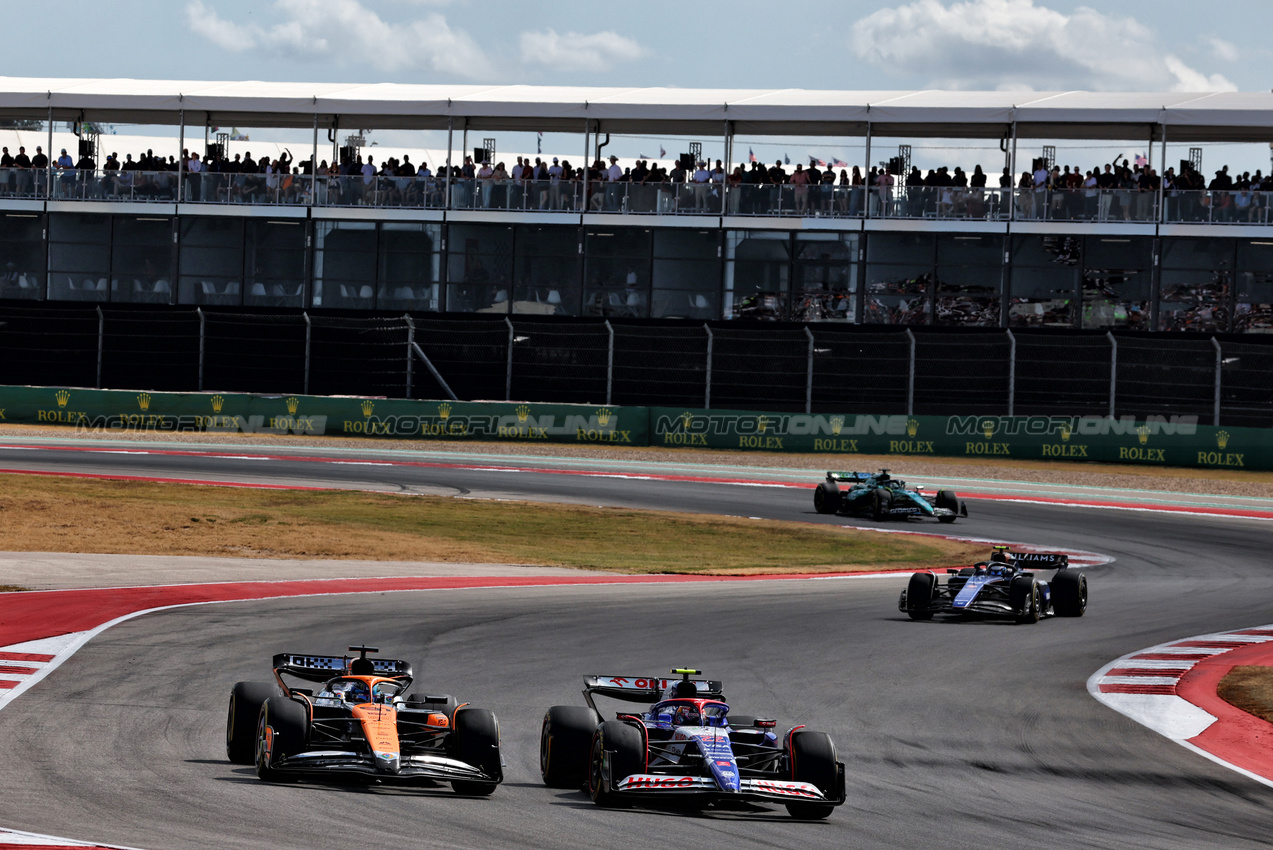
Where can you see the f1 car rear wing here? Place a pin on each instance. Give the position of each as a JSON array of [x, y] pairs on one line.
[[320, 668], [849, 476], [1041, 560], [644, 688]]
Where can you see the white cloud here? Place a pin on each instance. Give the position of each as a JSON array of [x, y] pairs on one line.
[[1014, 44], [598, 51], [1226, 51], [346, 32]]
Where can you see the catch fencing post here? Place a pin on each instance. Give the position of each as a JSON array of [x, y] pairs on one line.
[[808, 382], [1012, 373], [508, 372], [707, 393], [910, 378], [309, 327], [101, 336], [609, 362], [1215, 417], [1113, 370], [410, 345], [203, 321]]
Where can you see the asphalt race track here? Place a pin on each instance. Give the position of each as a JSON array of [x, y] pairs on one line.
[[954, 734]]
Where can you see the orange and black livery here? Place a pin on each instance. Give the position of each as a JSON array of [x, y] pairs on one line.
[[360, 723]]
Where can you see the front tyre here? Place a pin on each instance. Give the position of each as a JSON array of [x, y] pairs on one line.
[[477, 743], [813, 760], [947, 499], [565, 741], [1024, 596], [881, 503], [919, 596], [617, 753], [282, 731], [246, 699]]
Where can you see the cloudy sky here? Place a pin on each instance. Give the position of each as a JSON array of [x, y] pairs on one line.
[[1146, 45], [836, 44]]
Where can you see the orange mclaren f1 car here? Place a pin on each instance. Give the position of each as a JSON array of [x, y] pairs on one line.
[[360, 723]]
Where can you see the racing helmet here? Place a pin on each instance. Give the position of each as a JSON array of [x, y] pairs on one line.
[[357, 692], [686, 715]]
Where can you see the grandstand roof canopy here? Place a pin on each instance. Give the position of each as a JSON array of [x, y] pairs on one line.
[[1197, 116]]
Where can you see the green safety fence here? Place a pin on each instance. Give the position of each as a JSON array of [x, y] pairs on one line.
[[1155, 441], [115, 410]]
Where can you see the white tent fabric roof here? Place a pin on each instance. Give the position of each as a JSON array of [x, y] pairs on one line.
[[1198, 114]]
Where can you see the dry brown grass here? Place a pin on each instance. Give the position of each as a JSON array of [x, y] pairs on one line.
[[1250, 689], [43, 514]]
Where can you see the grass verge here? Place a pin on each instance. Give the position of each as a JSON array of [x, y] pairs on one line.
[[120, 517], [1250, 689]]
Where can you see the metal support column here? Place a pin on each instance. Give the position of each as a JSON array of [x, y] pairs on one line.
[[910, 377], [309, 328], [450, 130], [1012, 373], [1113, 371], [1162, 171], [433, 370], [410, 350], [867, 188], [1012, 175], [48, 172], [203, 325], [313, 166], [583, 200], [609, 362], [101, 338], [707, 391], [808, 380], [181, 146], [1215, 416], [508, 373]]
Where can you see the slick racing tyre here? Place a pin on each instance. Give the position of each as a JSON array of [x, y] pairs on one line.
[[947, 499], [477, 743], [565, 740], [1069, 594], [919, 596], [813, 760], [282, 730], [1024, 596], [881, 502], [246, 699], [826, 499], [623, 746]]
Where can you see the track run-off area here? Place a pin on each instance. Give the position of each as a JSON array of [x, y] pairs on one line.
[[957, 733]]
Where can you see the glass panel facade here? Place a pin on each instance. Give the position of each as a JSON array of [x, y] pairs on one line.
[[969, 278], [210, 261], [617, 265], [275, 263], [79, 257], [547, 270], [1116, 282], [899, 278], [410, 266], [757, 274], [142, 260], [479, 268], [345, 264], [687, 273], [22, 256], [824, 277], [1253, 307], [1195, 285], [1044, 281]]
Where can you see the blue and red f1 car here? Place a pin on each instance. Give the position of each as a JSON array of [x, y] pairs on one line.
[[687, 745]]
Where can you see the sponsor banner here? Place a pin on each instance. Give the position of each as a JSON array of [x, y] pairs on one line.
[[116, 410], [1155, 441]]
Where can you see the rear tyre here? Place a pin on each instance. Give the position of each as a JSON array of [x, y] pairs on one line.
[[813, 760], [622, 745], [283, 730], [477, 743], [1024, 595], [947, 499], [246, 699], [919, 596], [1069, 594], [565, 742], [826, 500], [881, 501]]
